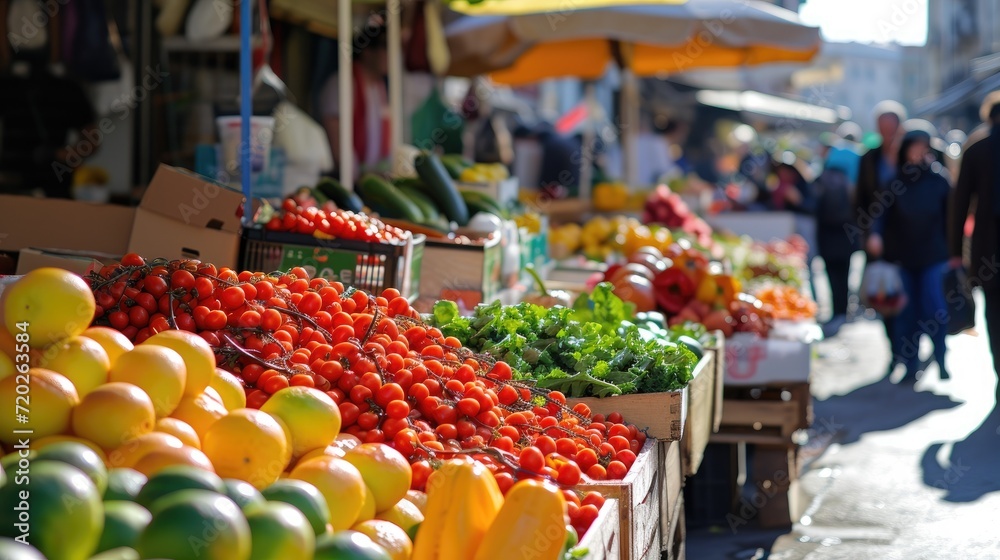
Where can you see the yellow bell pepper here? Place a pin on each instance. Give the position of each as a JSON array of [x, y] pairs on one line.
[[531, 525], [463, 499], [564, 240], [718, 290]]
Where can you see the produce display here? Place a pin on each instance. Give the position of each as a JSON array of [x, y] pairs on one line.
[[591, 349], [304, 214], [667, 208], [343, 431], [786, 302], [600, 238]]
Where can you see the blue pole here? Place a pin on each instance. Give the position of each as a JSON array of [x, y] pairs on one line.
[[246, 10]]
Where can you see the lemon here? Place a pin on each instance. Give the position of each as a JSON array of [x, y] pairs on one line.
[[368, 509], [196, 525], [114, 342], [158, 370], [340, 483], [159, 459], [131, 451], [180, 430], [52, 400], [54, 303], [385, 470], [199, 412], [387, 535], [229, 388], [113, 414], [248, 444], [278, 530], [405, 514], [198, 357], [311, 416], [82, 360]]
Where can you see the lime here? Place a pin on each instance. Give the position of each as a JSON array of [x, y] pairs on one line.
[[175, 478], [13, 550], [81, 457], [196, 525], [124, 484], [279, 530], [11, 462], [123, 521], [303, 496], [122, 553], [244, 494], [62, 511], [348, 545]]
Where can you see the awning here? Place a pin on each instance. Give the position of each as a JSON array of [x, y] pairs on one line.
[[957, 94], [769, 106]]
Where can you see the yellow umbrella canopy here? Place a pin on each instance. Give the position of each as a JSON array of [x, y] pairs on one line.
[[524, 41]]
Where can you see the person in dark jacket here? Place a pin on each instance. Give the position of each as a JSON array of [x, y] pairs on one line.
[[876, 171], [979, 184], [912, 234], [834, 210]]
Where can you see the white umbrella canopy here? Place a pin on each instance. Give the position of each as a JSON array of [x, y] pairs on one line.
[[521, 41]]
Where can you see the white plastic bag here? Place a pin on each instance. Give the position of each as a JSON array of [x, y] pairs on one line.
[[303, 139], [882, 288]]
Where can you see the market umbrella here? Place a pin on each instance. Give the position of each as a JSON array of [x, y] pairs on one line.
[[524, 41]]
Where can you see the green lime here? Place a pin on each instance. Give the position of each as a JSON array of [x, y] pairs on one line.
[[121, 553], [123, 521], [412, 532], [81, 457], [196, 525], [62, 511], [175, 478], [13, 550], [124, 484], [348, 545], [244, 494], [303, 496], [279, 530], [11, 462]]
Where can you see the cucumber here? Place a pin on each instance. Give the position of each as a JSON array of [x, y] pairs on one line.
[[455, 164], [479, 202], [422, 201], [441, 188], [411, 182], [343, 198], [381, 195]]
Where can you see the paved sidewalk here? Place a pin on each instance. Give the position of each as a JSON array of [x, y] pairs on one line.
[[913, 473]]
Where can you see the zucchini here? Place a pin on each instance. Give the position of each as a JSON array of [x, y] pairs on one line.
[[343, 198], [455, 164], [422, 201], [439, 185], [381, 195], [411, 182], [479, 202]]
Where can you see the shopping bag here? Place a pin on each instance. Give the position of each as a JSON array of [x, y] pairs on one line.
[[958, 299], [882, 288]]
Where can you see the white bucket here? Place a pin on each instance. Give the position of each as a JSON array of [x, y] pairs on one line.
[[261, 135]]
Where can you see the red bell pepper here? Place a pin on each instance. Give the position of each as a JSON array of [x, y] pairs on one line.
[[673, 289]]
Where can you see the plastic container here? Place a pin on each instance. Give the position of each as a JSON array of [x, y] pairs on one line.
[[261, 136]]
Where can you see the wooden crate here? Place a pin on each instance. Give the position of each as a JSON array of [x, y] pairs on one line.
[[674, 537], [603, 540], [661, 415], [703, 392], [671, 486], [638, 498], [766, 415], [719, 350]]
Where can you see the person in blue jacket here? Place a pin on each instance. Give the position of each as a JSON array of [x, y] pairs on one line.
[[912, 233]]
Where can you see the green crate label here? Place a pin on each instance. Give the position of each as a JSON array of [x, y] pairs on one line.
[[324, 263]]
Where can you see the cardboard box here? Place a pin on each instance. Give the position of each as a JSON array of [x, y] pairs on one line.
[[184, 215], [468, 274], [751, 360], [181, 215], [80, 262]]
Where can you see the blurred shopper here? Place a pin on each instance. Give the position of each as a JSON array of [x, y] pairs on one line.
[[369, 120], [876, 172], [979, 185], [835, 193], [912, 233]]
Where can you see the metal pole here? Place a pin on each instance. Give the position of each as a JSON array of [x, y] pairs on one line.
[[345, 79], [395, 63], [246, 77], [630, 127], [587, 143]]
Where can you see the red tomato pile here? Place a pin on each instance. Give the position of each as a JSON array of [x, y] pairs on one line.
[[333, 223], [394, 379]]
